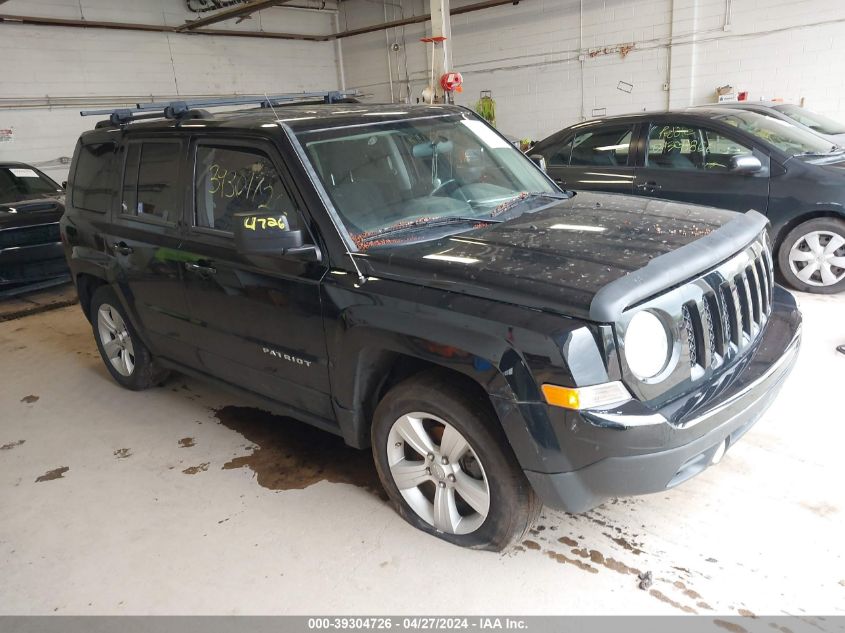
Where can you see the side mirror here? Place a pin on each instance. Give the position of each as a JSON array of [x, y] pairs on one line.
[[539, 160], [267, 234], [745, 164], [64, 184]]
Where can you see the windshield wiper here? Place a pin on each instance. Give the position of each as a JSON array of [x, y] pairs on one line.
[[423, 223], [508, 205]]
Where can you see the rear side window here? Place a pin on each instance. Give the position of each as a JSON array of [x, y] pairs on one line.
[[238, 180], [685, 147], [604, 147], [150, 181], [94, 178]]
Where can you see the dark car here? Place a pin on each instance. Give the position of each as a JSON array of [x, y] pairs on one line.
[[832, 130], [31, 254], [403, 277], [727, 158]]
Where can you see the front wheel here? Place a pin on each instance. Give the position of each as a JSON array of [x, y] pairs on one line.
[[812, 256], [446, 465]]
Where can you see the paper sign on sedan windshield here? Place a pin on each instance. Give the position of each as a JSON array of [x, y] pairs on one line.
[[23, 173]]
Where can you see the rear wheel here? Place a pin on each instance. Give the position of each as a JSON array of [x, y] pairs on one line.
[[124, 354], [812, 256], [447, 467]]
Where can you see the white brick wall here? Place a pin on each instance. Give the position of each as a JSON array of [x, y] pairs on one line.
[[75, 62], [527, 55]]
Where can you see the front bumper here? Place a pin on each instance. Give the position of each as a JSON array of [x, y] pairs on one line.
[[688, 434]]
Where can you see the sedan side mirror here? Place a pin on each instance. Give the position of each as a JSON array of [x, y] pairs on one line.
[[267, 234], [64, 184], [745, 164], [539, 160]]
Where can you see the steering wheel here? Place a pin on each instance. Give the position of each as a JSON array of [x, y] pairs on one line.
[[447, 188]]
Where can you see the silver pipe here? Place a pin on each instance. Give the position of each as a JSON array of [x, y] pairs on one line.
[[389, 61], [581, 56], [338, 47]]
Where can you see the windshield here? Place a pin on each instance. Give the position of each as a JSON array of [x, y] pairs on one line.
[[813, 120], [21, 183], [421, 172], [782, 134]]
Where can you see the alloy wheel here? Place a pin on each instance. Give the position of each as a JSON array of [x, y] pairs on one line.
[[438, 473], [818, 258], [116, 340]]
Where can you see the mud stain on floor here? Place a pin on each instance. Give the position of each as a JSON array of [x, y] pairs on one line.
[[122, 453], [193, 470], [611, 563], [820, 509], [29, 399], [730, 626], [571, 542], [187, 442], [531, 545], [562, 558], [291, 455], [623, 543], [664, 598], [689, 593], [50, 475], [11, 445]]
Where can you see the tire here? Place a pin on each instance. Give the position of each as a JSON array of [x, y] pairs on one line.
[[817, 246], [427, 406], [127, 358]]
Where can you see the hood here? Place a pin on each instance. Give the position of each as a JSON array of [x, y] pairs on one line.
[[35, 210], [555, 259]]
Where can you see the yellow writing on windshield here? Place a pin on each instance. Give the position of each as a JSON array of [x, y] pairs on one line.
[[255, 223]]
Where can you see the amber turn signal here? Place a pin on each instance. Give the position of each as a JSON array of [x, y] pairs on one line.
[[578, 398]]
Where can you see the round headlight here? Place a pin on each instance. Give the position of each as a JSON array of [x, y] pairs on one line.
[[646, 345]]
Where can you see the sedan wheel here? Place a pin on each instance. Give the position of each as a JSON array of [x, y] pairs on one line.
[[116, 340], [818, 258], [438, 473]]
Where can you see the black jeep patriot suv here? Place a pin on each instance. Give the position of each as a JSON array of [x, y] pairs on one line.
[[404, 277]]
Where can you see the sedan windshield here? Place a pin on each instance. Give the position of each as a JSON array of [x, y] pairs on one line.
[[417, 174], [813, 120], [782, 134], [21, 183]]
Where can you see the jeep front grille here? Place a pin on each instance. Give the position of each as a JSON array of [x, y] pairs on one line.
[[731, 310], [716, 317]]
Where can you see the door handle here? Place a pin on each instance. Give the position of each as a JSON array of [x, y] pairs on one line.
[[199, 268], [121, 248], [649, 186]]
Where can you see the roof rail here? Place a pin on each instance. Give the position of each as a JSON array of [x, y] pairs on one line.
[[189, 108]]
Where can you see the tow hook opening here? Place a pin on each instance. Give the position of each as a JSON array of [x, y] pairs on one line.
[[721, 449]]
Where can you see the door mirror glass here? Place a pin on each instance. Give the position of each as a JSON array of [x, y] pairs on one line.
[[745, 164], [266, 234], [539, 160], [64, 184]]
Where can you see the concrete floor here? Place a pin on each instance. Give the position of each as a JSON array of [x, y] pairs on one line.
[[178, 501]]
